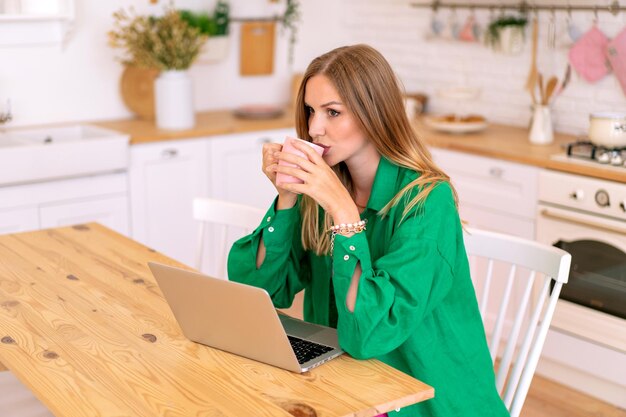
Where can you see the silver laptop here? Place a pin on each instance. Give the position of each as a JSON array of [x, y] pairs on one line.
[[241, 319]]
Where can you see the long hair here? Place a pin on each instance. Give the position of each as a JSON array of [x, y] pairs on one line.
[[370, 90]]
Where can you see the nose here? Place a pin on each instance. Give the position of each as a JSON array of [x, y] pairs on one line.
[[316, 125]]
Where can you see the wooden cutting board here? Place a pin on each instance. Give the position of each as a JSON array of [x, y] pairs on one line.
[[137, 90], [257, 48]]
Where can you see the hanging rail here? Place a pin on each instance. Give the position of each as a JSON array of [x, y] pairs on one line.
[[614, 7]]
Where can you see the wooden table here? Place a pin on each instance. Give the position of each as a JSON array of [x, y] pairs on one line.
[[85, 327]]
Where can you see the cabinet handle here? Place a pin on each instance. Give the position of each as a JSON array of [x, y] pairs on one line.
[[496, 172], [265, 140], [169, 153]]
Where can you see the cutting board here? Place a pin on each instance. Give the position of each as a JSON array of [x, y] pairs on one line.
[[137, 90], [257, 48]]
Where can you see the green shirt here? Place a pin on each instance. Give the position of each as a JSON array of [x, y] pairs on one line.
[[415, 310]]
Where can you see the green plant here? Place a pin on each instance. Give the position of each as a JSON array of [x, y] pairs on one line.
[[492, 35], [289, 21], [215, 25], [164, 43]]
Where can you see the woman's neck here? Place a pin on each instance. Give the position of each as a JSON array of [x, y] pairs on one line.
[[362, 171]]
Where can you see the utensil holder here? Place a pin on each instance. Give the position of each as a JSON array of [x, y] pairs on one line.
[[541, 129]]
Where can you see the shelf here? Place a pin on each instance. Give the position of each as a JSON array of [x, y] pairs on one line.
[[25, 29]]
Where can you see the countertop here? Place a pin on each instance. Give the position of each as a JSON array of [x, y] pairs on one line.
[[497, 141]]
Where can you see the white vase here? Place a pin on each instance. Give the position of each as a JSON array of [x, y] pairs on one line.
[[511, 40], [541, 128], [173, 97]]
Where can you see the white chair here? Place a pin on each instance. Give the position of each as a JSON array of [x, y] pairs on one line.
[[525, 277], [225, 216]]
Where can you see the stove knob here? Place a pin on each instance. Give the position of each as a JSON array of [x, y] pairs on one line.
[[602, 198], [577, 195], [604, 158], [617, 159]]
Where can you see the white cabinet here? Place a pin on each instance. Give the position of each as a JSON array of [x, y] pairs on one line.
[[493, 194], [165, 177], [98, 198], [109, 211], [18, 220], [235, 168]]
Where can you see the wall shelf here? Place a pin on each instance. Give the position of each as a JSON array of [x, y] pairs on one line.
[[24, 29]]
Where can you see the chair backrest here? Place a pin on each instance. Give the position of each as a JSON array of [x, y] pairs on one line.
[[228, 221], [523, 280]]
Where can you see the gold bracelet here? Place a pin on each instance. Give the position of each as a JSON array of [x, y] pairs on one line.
[[344, 229]]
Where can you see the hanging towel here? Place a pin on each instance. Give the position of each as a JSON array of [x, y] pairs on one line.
[[588, 55], [616, 54]]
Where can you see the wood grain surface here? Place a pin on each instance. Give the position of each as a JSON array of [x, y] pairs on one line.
[[85, 327]]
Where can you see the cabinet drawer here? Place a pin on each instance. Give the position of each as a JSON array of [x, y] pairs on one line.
[[494, 184]]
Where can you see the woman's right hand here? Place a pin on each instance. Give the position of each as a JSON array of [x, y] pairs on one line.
[[286, 199]]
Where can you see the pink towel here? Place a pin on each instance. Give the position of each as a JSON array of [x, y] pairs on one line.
[[588, 55], [616, 54]]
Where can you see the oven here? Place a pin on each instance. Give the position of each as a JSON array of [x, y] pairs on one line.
[[587, 217]]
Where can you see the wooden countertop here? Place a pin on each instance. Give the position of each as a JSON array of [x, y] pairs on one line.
[[84, 325], [497, 141]]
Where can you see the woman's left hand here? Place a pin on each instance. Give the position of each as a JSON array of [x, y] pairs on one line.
[[320, 183]]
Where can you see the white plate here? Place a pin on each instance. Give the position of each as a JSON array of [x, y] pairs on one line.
[[455, 127]]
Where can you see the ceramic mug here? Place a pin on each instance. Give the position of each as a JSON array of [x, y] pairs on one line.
[[288, 147]]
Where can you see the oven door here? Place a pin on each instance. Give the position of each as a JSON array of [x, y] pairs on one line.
[[593, 302]]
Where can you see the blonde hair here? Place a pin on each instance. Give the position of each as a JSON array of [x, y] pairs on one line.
[[370, 90]]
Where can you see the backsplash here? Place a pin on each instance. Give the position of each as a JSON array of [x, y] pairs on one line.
[[399, 32]]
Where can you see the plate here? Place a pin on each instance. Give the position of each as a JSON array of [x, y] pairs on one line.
[[462, 126], [259, 111]]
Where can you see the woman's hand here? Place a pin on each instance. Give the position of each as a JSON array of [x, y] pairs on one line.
[[320, 183], [286, 199]]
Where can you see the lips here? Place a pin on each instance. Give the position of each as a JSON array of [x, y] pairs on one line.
[[326, 148]]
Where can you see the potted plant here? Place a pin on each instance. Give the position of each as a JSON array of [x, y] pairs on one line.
[[168, 44], [506, 34], [215, 27]]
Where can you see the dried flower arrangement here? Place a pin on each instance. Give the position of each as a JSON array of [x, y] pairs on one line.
[[164, 43]]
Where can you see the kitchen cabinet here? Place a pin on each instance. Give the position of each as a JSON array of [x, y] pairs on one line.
[[19, 220], [493, 194], [235, 168], [98, 198], [165, 177]]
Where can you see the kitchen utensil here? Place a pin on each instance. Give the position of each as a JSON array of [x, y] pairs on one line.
[[531, 82], [587, 56], [550, 86], [608, 129], [540, 85], [616, 54], [257, 48]]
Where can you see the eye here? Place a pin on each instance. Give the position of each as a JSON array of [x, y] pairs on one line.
[[309, 110], [333, 113]]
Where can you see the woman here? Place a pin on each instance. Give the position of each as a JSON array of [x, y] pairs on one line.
[[373, 236]]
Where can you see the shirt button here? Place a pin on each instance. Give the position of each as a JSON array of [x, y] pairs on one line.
[[352, 247], [268, 219], [270, 229], [346, 257]]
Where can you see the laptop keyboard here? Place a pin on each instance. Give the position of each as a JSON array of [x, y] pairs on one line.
[[306, 350]]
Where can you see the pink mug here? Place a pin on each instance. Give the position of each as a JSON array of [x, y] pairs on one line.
[[288, 147]]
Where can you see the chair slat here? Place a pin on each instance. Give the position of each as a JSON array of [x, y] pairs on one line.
[[497, 331], [486, 287]]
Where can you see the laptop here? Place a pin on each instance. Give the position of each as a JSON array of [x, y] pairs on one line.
[[241, 319]]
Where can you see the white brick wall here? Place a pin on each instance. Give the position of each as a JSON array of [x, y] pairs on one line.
[[397, 30]]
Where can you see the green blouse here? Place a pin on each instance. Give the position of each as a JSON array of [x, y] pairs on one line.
[[415, 310]]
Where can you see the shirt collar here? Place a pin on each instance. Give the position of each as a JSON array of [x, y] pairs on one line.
[[384, 187]]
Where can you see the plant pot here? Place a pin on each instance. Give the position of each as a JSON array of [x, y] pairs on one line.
[[511, 40], [214, 50], [173, 96]]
